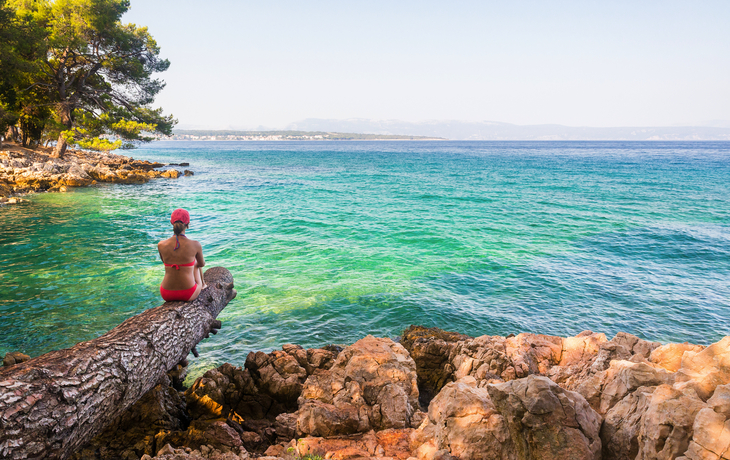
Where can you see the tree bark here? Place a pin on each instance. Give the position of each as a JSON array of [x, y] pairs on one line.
[[60, 148], [54, 404]]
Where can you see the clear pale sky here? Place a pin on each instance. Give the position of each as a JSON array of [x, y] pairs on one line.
[[245, 64]]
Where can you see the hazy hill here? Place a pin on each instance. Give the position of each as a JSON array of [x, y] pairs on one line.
[[460, 130]]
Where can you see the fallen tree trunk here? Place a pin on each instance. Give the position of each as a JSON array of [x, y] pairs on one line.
[[52, 405]]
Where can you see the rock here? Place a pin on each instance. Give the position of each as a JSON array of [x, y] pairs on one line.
[[188, 172], [581, 348], [546, 421], [711, 428], [703, 371], [372, 385], [14, 357], [666, 427], [669, 356], [261, 396], [430, 349], [635, 345], [606, 388], [387, 444], [75, 181], [620, 429], [463, 422], [171, 173]]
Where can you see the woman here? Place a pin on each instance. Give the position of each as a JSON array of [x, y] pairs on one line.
[[183, 259]]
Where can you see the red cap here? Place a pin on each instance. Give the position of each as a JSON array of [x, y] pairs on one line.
[[180, 215]]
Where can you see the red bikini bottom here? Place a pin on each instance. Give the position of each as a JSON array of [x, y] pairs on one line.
[[183, 294]]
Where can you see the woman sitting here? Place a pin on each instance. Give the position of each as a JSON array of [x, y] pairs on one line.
[[183, 259]]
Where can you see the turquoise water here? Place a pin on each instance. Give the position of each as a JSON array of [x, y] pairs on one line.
[[330, 241]]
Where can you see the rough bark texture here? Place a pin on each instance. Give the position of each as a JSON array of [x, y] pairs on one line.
[[54, 404]]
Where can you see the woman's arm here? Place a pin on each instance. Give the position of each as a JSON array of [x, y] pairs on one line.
[[199, 255]]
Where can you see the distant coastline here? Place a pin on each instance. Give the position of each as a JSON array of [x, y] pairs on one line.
[[233, 135]]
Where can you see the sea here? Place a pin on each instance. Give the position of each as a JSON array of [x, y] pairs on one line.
[[330, 241]]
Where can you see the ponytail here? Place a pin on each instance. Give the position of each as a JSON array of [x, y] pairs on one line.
[[178, 227]]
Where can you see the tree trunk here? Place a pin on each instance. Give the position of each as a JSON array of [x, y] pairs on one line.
[[60, 148], [54, 404]]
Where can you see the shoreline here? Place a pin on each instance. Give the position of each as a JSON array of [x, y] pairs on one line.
[[24, 171], [438, 395]]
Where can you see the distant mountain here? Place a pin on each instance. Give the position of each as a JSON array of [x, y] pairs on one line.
[[461, 130]]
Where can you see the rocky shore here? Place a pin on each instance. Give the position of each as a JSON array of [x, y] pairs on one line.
[[437, 395], [25, 171]]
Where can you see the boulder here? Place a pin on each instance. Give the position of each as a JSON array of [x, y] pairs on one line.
[[666, 427], [606, 388], [268, 385], [391, 444], [546, 421], [171, 173], [463, 422], [711, 429], [635, 345], [703, 371], [669, 356], [371, 385], [620, 429], [430, 349]]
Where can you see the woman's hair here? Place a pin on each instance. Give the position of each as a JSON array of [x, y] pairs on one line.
[[178, 227]]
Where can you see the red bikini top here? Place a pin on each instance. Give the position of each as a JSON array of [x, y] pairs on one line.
[[177, 266]]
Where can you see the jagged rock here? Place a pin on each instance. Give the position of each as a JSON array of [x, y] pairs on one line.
[[269, 385], [669, 356], [711, 429], [430, 349], [546, 421], [372, 385], [390, 444], [188, 172], [706, 369], [666, 427], [203, 453], [463, 422], [620, 429], [171, 173], [606, 388]]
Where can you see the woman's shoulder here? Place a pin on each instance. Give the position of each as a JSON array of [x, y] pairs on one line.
[[164, 242]]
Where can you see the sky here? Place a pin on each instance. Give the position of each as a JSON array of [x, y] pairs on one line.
[[251, 64]]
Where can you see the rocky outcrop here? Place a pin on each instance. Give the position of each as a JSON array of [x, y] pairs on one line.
[[604, 389], [390, 443], [371, 386], [669, 356], [528, 396], [620, 429], [703, 371], [25, 171], [711, 429], [463, 422], [546, 421], [666, 426], [258, 398]]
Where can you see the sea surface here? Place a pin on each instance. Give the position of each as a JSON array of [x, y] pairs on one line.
[[331, 241]]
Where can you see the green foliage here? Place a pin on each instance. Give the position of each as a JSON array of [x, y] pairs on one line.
[[80, 73]]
